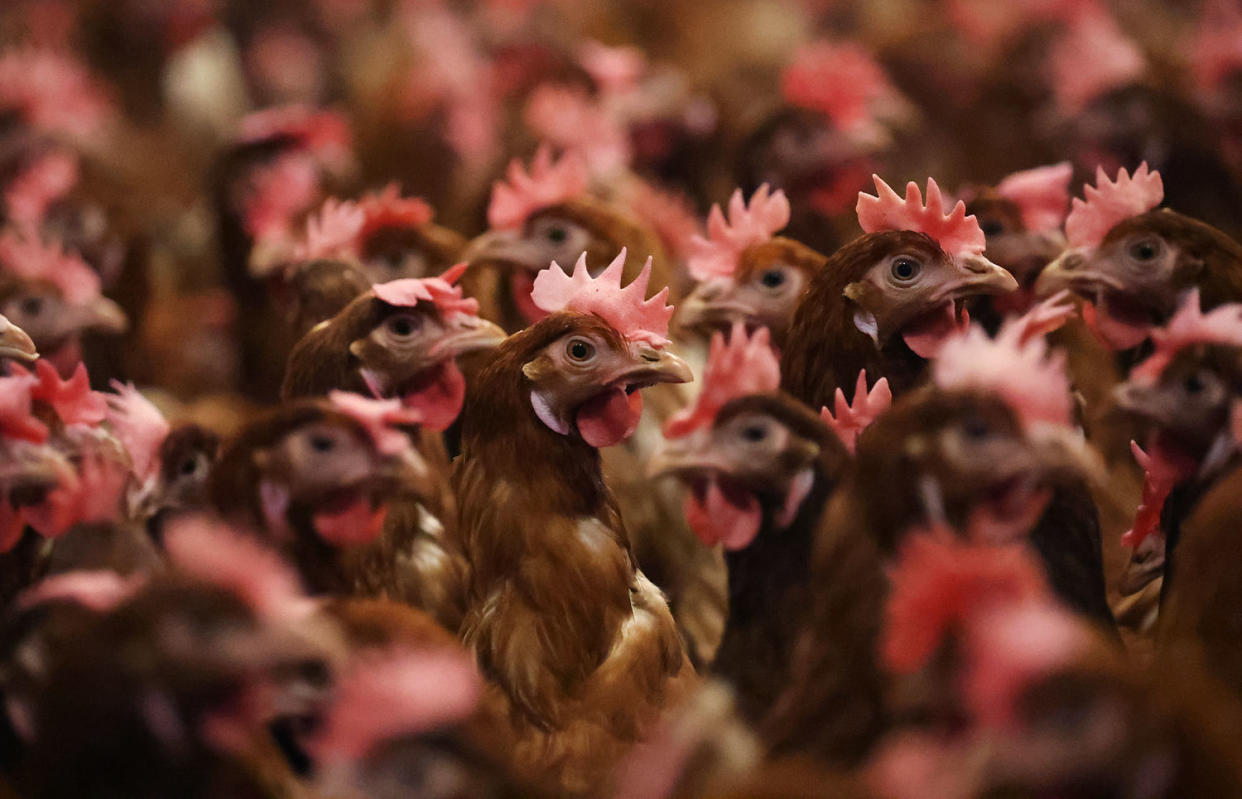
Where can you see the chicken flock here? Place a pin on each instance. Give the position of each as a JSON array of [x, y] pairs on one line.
[[626, 400]]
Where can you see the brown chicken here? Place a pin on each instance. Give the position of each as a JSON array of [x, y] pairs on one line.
[[562, 622], [885, 302], [746, 273], [759, 467], [317, 290], [955, 457], [547, 215]]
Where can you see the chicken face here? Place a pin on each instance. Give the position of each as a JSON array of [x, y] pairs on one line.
[[411, 353], [15, 345], [915, 291], [588, 380], [327, 474], [320, 289], [1023, 253], [1131, 280], [756, 460], [764, 292], [55, 325]]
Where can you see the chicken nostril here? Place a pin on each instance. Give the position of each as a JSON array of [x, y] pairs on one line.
[[651, 357]]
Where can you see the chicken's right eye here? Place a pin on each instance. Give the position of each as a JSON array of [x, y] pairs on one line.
[[322, 443], [403, 326], [976, 428], [557, 234], [992, 227], [905, 269], [32, 306], [580, 350], [1145, 250]]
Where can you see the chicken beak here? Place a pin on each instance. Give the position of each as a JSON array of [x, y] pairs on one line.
[[100, 314], [1144, 401], [15, 344], [467, 333], [1070, 270], [650, 365], [1062, 451], [978, 275], [507, 247], [687, 456], [711, 305]]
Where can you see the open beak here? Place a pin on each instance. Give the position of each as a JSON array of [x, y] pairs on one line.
[[1072, 270], [507, 247], [15, 344], [465, 334]]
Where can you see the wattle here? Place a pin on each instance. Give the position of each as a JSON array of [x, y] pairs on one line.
[[609, 418]]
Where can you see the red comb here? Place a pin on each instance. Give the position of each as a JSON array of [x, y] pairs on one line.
[[388, 209], [1217, 47], [28, 195], [326, 134], [17, 419], [400, 694], [72, 399], [216, 553], [748, 224], [378, 417], [548, 183], [852, 418], [956, 233], [1108, 203], [1016, 365], [1188, 327], [25, 256], [441, 291], [744, 366], [1092, 57], [139, 426], [1042, 194], [53, 93], [333, 232], [939, 582], [624, 308], [841, 80]]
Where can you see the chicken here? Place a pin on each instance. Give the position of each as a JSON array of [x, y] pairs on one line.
[[759, 467], [54, 297], [15, 346], [563, 624], [317, 479], [1131, 262], [962, 457], [318, 290], [746, 273], [542, 216], [885, 302]]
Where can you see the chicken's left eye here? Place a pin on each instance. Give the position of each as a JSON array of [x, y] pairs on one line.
[[580, 350], [1145, 250], [322, 443], [773, 278], [906, 269], [403, 326], [754, 433]]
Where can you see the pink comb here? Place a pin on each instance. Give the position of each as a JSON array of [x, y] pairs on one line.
[[852, 419], [24, 255], [53, 92], [401, 694], [841, 80], [614, 69], [441, 291], [939, 582], [547, 184], [1217, 47], [667, 211], [99, 591], [955, 233], [17, 419], [29, 195], [743, 367], [333, 232], [1188, 327], [1092, 57], [72, 399], [388, 209], [326, 134], [215, 553], [571, 119], [718, 254], [278, 192], [1015, 366], [139, 426], [623, 308], [1042, 195], [378, 417], [1107, 203]]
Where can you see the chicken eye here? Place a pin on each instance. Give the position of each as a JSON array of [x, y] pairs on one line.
[[754, 433], [1145, 250], [404, 326], [976, 428], [32, 306], [1194, 383], [556, 234], [772, 278], [992, 227], [188, 467], [322, 443], [905, 269], [580, 350]]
